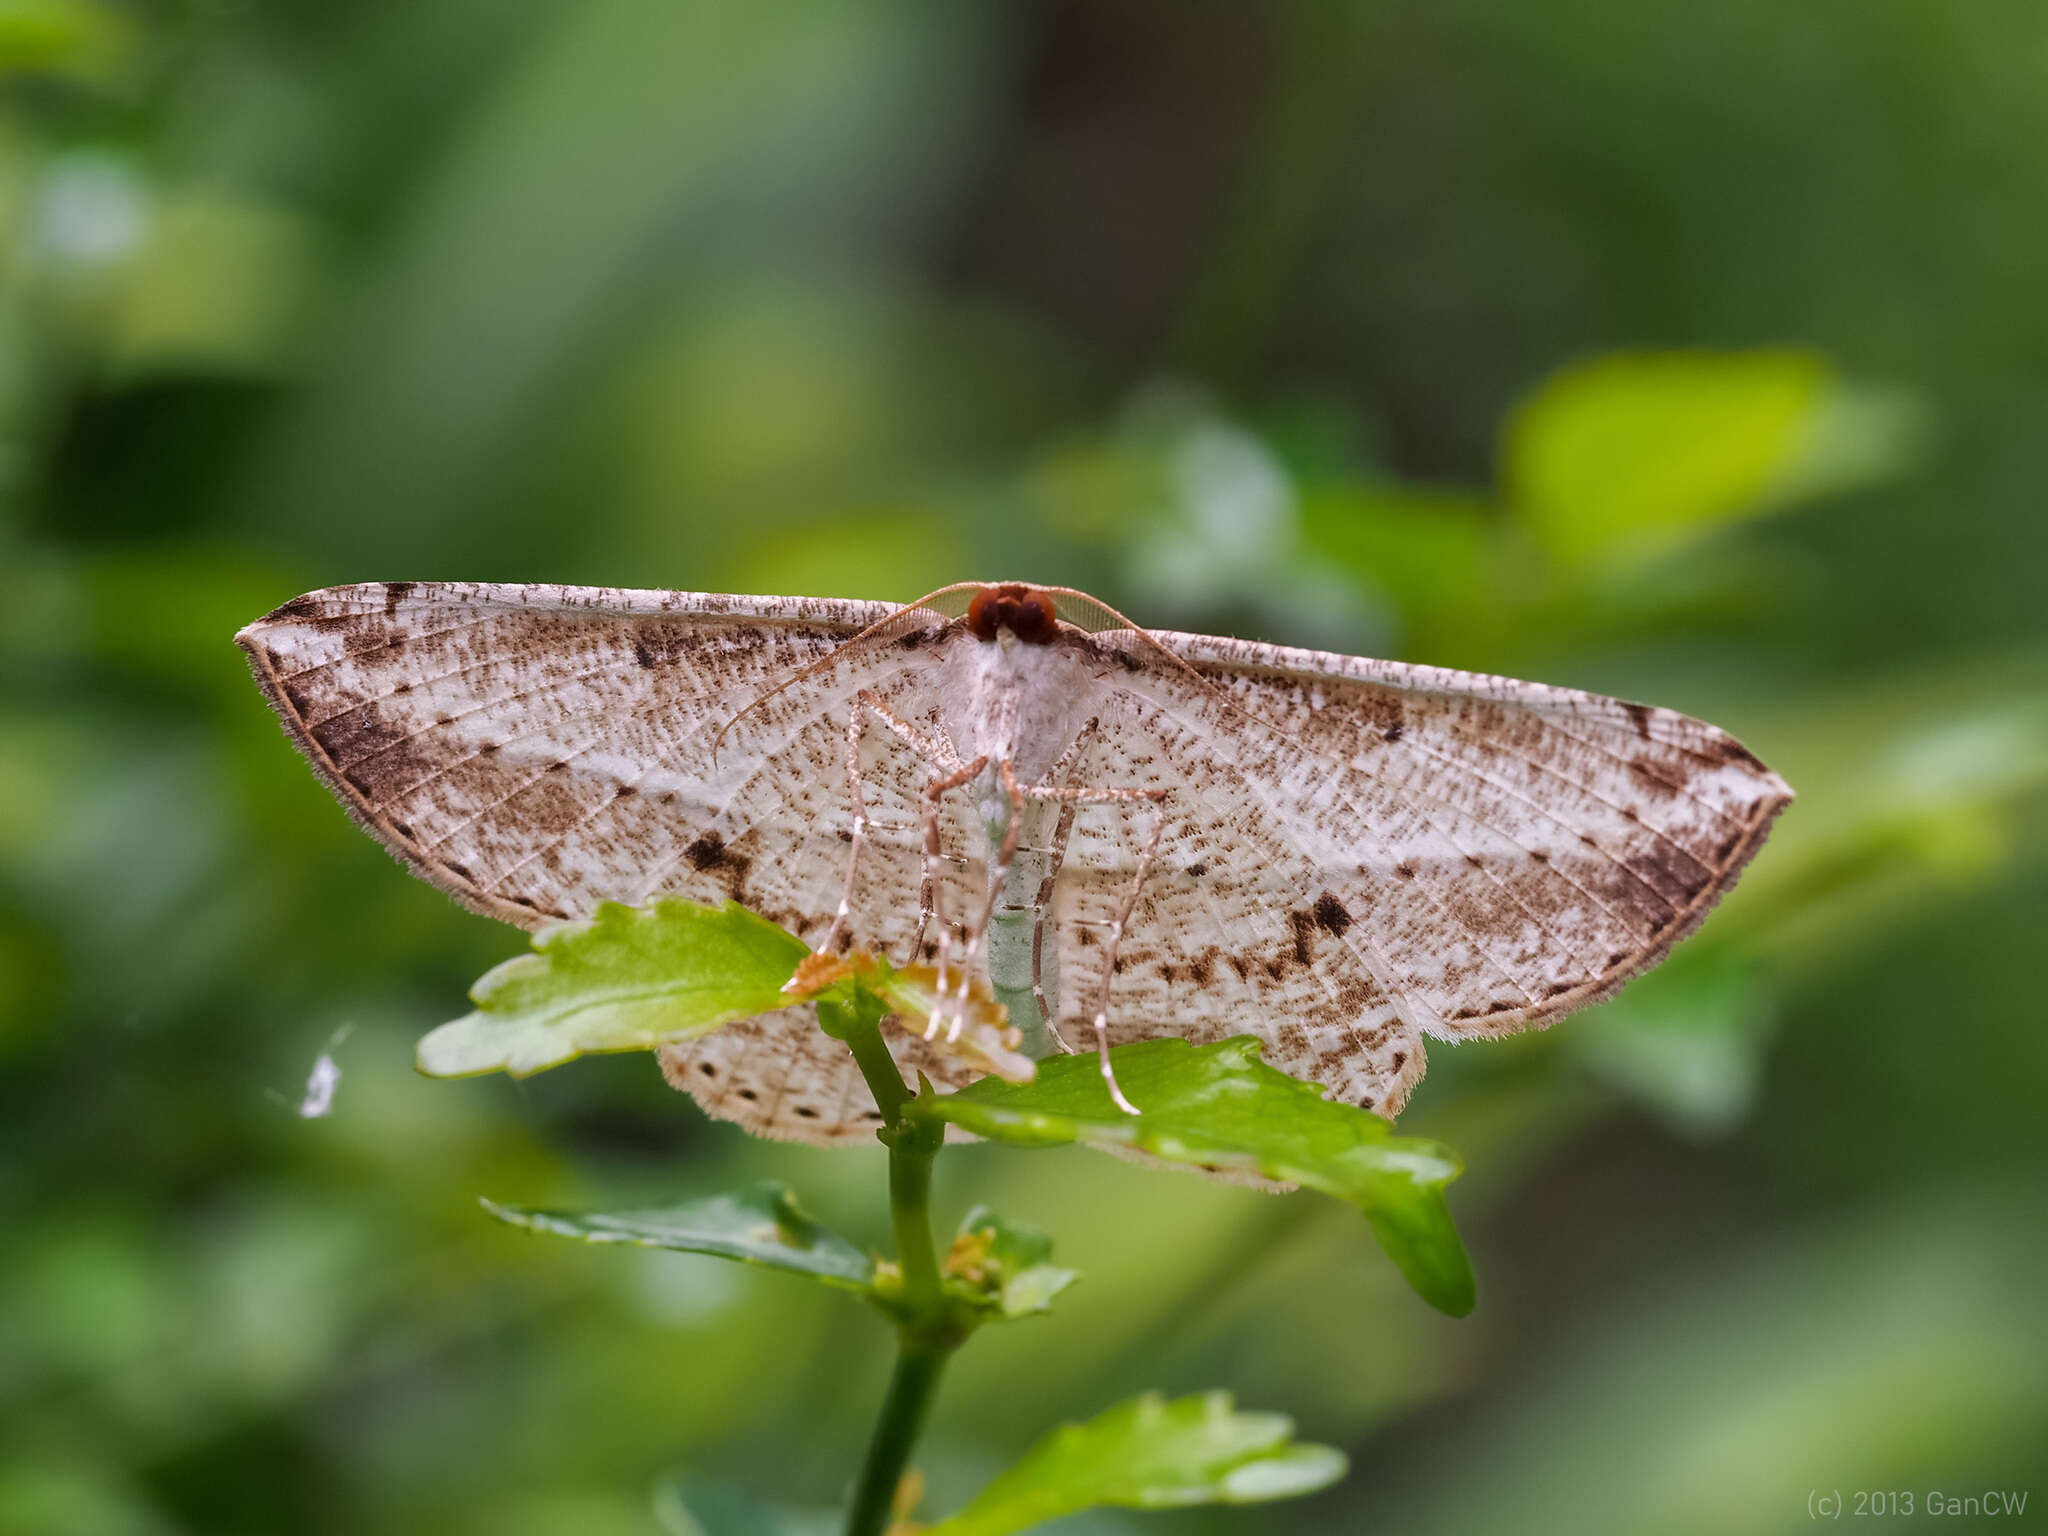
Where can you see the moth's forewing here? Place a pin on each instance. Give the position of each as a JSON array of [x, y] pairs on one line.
[[1356, 853], [1373, 852], [535, 750]]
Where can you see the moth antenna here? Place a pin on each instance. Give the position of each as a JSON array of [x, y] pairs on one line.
[[928, 602], [1068, 603], [1067, 600]]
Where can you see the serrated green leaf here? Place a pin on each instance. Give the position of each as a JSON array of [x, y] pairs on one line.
[[1220, 1106], [1149, 1453], [1004, 1267], [628, 979], [758, 1225]]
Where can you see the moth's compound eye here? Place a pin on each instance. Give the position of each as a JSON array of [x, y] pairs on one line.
[[1025, 612], [1031, 617], [984, 614]]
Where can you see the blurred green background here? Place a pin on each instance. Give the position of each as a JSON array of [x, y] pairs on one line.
[[1697, 353]]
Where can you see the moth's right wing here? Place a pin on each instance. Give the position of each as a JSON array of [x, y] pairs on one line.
[[534, 750]]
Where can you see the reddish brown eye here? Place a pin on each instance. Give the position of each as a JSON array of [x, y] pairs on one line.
[[1032, 620], [1024, 611], [982, 616]]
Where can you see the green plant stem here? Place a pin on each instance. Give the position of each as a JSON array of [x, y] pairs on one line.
[[863, 1036], [912, 1150], [924, 1342], [927, 1330]]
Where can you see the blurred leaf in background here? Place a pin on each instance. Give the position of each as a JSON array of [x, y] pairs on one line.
[[1478, 333], [1636, 455]]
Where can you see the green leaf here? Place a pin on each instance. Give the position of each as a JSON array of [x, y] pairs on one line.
[[1149, 1453], [629, 979], [1639, 453], [1220, 1106], [1688, 1039], [759, 1225], [80, 38], [1004, 1267], [1425, 548]]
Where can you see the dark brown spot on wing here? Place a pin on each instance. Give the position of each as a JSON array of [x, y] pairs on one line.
[[1331, 915], [306, 607], [1656, 776], [1303, 922], [371, 753], [712, 855], [1726, 749]]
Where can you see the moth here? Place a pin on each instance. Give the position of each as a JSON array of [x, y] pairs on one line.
[[1146, 833]]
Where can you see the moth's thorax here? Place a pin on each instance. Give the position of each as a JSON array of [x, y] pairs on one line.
[[1017, 700]]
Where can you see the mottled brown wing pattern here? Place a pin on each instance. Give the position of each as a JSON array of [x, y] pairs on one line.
[[780, 1075], [1229, 936], [1355, 854], [1362, 853], [535, 750]]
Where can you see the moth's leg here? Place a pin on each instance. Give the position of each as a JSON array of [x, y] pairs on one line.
[[866, 703], [1041, 904], [939, 753], [1116, 938], [933, 791], [1150, 851], [942, 754], [997, 874], [932, 750], [856, 727], [1045, 890]]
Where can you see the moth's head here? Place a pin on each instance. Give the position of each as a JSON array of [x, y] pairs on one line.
[[1026, 612]]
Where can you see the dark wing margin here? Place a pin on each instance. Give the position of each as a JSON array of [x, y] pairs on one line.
[[387, 686], [1571, 838]]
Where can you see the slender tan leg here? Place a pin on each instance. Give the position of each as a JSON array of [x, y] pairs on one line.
[[1116, 939], [932, 793], [856, 727], [937, 752], [1123, 917], [934, 751], [940, 753], [1041, 904]]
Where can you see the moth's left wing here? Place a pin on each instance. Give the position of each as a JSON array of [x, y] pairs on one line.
[[534, 750]]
